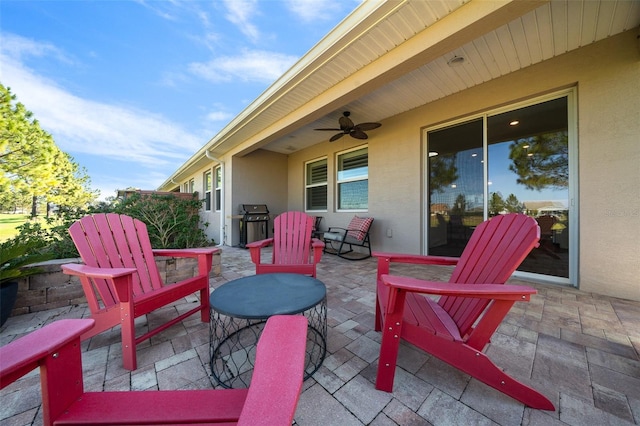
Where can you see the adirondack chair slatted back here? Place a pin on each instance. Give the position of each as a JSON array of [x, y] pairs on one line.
[[292, 238], [495, 250], [116, 241]]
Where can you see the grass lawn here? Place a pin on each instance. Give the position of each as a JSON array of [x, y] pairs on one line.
[[8, 224]]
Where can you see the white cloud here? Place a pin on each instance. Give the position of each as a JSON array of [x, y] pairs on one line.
[[251, 65], [219, 116], [239, 13], [159, 9], [91, 127], [312, 10], [18, 47]]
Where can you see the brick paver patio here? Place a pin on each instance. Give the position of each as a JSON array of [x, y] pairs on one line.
[[580, 349]]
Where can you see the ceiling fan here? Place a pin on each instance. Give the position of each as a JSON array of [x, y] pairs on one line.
[[348, 128]]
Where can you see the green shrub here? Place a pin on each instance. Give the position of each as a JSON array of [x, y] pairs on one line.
[[14, 255], [172, 222]]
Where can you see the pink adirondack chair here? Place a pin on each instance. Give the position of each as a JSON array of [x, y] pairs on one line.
[[271, 398], [458, 326], [294, 248], [121, 281]]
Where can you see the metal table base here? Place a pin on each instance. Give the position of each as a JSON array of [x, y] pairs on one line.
[[233, 343]]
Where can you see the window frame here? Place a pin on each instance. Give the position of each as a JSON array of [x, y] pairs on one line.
[[351, 179], [190, 186], [206, 186], [308, 186], [217, 187]]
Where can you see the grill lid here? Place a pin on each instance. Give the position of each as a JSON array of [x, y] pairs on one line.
[[254, 209]]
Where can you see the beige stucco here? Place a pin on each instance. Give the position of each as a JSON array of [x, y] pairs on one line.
[[256, 178], [609, 113]]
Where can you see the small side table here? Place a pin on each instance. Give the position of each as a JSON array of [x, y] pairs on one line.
[[239, 311]]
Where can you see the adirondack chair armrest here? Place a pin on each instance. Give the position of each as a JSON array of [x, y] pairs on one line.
[[120, 278], [94, 272], [203, 254], [386, 259], [277, 378], [318, 248], [25, 354], [260, 244], [415, 258], [481, 291], [255, 247], [190, 252]]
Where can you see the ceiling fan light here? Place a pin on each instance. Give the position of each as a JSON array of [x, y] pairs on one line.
[[455, 61]]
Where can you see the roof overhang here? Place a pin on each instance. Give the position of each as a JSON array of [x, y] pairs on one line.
[[372, 63]]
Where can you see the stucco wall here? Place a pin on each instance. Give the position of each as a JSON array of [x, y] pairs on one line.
[[606, 76], [609, 113], [211, 217], [258, 178]]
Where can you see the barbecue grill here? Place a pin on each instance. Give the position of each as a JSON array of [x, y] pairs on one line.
[[253, 213]]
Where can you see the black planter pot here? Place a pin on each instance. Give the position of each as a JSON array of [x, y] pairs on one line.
[[8, 295]]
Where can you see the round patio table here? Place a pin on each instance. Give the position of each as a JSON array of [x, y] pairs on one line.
[[239, 311]]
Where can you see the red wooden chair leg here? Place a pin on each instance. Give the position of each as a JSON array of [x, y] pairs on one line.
[[478, 365], [128, 331], [387, 361], [388, 356], [482, 368], [61, 379], [204, 300], [378, 321]]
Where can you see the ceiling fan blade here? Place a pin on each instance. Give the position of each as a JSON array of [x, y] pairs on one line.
[[348, 128], [367, 126], [358, 134]]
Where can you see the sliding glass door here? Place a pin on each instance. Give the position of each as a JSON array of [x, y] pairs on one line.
[[511, 160], [456, 185]]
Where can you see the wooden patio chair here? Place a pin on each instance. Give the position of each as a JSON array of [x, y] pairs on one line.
[[355, 234], [121, 280], [294, 249], [546, 223], [316, 232], [271, 398], [457, 327]]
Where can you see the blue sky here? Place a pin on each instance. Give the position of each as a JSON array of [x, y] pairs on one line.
[[131, 89]]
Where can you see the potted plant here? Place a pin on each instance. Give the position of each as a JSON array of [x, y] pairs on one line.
[[15, 254]]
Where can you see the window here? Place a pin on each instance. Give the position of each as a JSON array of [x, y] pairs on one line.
[[316, 185], [353, 180], [218, 187], [207, 191], [190, 186]]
